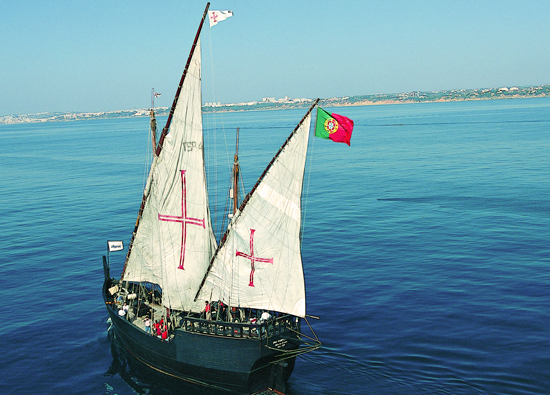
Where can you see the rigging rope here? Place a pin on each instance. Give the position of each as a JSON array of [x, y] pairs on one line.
[[213, 212], [213, 117], [305, 193]]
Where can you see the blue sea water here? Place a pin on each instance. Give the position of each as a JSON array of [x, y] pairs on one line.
[[426, 247]]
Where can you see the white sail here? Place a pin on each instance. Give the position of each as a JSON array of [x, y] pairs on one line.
[[260, 265], [174, 242]]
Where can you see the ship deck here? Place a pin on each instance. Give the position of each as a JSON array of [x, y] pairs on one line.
[[155, 313], [247, 329], [243, 323]]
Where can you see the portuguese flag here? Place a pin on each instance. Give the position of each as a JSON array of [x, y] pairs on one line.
[[333, 126]]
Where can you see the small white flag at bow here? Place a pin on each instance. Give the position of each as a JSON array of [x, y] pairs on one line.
[[115, 245], [218, 16]]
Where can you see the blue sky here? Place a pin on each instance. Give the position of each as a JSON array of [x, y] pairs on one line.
[[66, 55]]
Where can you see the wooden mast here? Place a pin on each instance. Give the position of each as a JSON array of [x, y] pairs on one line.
[[153, 122], [236, 176], [165, 132]]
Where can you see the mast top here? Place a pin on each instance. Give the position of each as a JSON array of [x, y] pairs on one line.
[[175, 102]]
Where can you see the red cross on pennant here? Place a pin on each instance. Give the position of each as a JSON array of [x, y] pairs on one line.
[[253, 258], [183, 219]]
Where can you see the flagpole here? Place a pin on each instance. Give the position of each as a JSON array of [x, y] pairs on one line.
[[153, 122]]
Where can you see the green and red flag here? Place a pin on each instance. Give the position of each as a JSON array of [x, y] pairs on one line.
[[333, 126]]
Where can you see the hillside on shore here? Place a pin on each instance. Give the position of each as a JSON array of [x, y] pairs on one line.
[[285, 103]]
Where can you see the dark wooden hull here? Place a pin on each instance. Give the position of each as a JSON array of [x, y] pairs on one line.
[[238, 364]]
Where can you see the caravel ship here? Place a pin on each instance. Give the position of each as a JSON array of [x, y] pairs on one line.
[[224, 316]]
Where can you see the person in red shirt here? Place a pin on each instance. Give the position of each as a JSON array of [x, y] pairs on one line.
[[157, 329], [207, 310]]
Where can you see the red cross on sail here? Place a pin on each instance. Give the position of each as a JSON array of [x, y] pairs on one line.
[[183, 219], [253, 258]]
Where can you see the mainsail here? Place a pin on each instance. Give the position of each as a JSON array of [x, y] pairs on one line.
[[259, 264], [174, 242]]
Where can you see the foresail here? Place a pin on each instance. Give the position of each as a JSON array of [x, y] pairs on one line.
[[259, 265], [174, 242]]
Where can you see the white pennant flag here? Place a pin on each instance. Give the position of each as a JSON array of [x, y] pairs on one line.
[[115, 245], [218, 16]]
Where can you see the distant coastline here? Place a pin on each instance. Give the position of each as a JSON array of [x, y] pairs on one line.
[[286, 103]]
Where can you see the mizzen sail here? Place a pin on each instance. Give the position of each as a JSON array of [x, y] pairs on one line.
[[259, 263]]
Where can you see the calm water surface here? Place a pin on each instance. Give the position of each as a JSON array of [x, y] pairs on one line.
[[426, 247]]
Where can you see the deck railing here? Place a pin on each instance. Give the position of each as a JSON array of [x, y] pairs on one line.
[[268, 328]]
